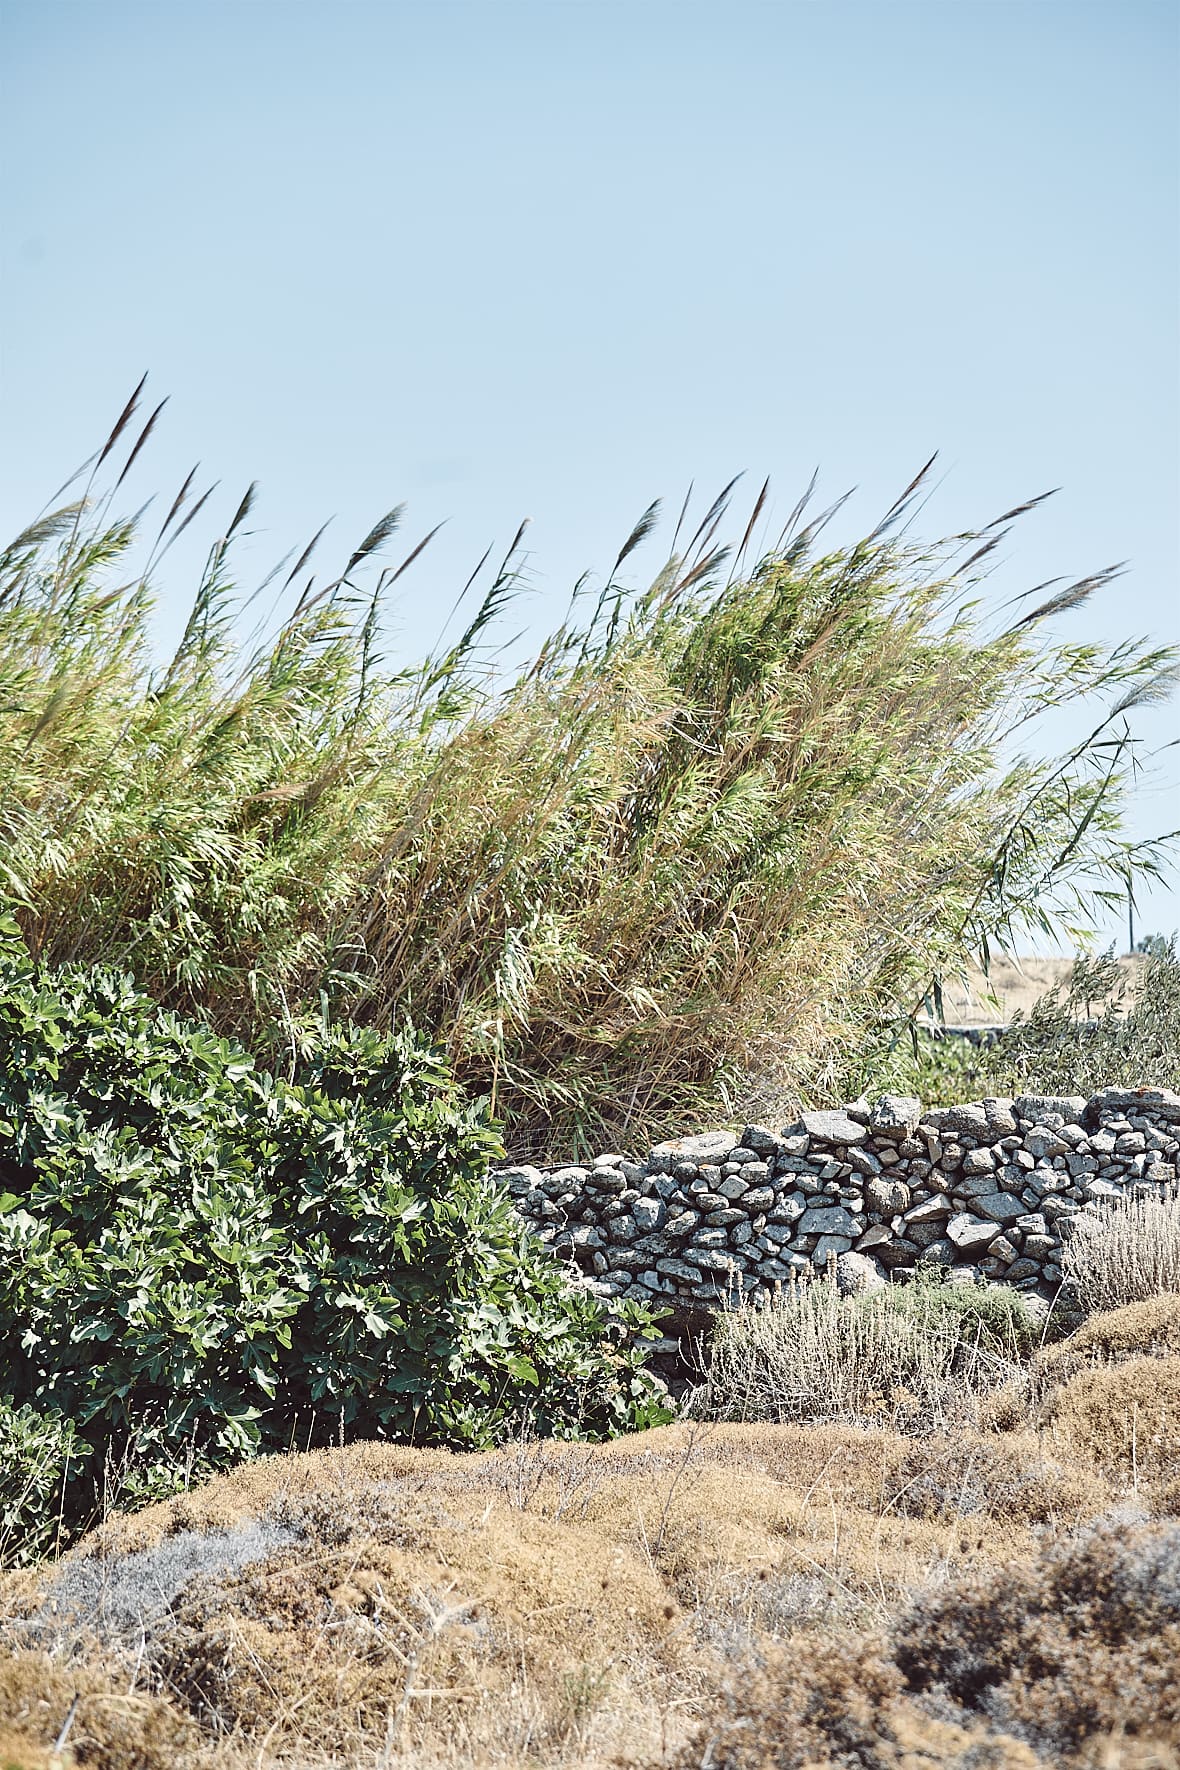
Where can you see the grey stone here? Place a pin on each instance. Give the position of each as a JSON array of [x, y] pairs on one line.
[[714, 1260], [874, 1237], [1000, 1116], [969, 1235], [932, 1210], [959, 1121], [682, 1223], [708, 1146], [856, 1273], [648, 1213], [760, 1139], [833, 1128], [942, 1253], [679, 1269], [1069, 1107], [518, 1180], [976, 1186], [1104, 1190], [979, 1161], [759, 1198], [1043, 1144], [774, 1269], [895, 1115], [827, 1245], [887, 1197], [1160, 1103], [1001, 1207], [724, 1218], [827, 1220], [897, 1254], [733, 1186]]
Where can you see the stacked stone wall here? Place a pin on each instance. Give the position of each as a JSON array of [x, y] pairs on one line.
[[993, 1189]]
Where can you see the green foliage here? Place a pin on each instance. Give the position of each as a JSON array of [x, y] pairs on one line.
[[199, 1260], [681, 863], [37, 1450]]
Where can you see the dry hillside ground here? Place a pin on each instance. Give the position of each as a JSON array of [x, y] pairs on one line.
[[703, 1595]]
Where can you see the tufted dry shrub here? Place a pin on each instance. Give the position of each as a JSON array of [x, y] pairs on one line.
[[1080, 1643], [1132, 1254], [1066, 1660], [914, 1359]]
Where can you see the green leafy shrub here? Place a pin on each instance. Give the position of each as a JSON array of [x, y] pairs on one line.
[[199, 1260], [36, 1451]]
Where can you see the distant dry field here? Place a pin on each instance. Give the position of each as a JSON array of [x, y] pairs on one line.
[[1014, 984]]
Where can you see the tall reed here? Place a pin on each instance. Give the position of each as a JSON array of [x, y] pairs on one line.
[[678, 864]]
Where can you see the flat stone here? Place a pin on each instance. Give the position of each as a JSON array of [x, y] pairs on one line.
[[1001, 1207], [761, 1140], [932, 1210], [875, 1237], [833, 1128], [517, 1180], [714, 1260], [827, 1245], [1037, 1107], [1159, 1103], [707, 1146], [960, 1121], [828, 1220], [679, 1269]]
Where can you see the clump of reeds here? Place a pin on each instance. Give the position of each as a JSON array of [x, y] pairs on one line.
[[687, 857]]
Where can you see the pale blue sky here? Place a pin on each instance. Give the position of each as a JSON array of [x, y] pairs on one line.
[[504, 258]]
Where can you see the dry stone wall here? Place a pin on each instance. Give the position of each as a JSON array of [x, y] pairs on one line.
[[993, 1189]]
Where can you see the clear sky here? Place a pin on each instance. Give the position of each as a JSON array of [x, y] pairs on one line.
[[557, 257]]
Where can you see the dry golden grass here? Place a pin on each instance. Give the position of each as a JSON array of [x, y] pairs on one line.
[[735, 1594], [1013, 985]]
